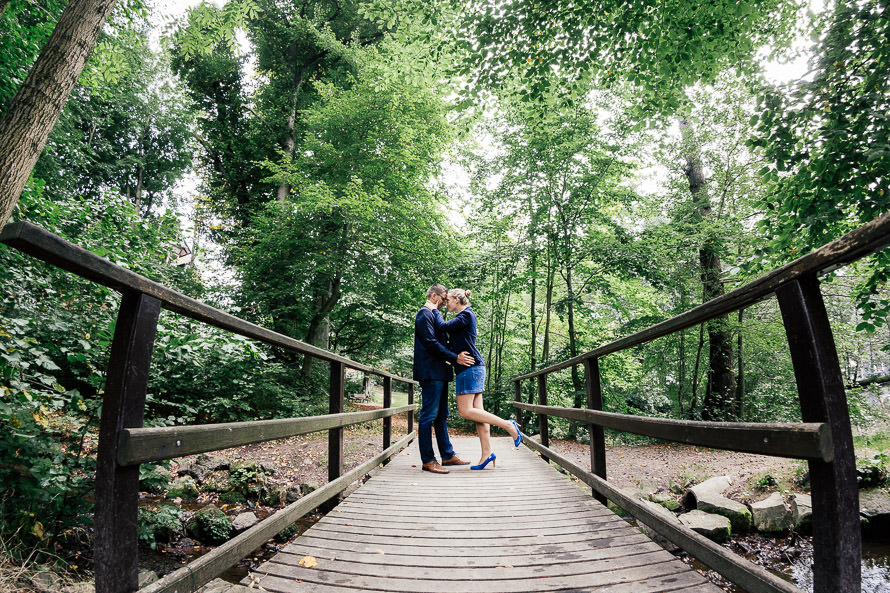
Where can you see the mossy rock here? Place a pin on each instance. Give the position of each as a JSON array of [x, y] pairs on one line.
[[184, 487], [288, 532], [210, 525], [232, 497], [248, 478], [671, 505]]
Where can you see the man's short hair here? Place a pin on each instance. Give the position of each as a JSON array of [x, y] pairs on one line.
[[435, 289]]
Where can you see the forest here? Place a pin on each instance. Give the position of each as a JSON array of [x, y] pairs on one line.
[[586, 168]]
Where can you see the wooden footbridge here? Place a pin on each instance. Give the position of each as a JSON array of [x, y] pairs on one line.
[[519, 527]]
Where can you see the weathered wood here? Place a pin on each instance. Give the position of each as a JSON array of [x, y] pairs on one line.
[[411, 403], [837, 546], [597, 437], [555, 537], [33, 240], [543, 427], [740, 571], [337, 400], [387, 403], [141, 445], [123, 405], [868, 238], [189, 578], [798, 440]]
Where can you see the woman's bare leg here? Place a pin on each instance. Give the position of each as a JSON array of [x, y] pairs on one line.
[[483, 429], [470, 408]]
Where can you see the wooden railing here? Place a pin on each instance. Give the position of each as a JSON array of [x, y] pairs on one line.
[[823, 438], [124, 443]]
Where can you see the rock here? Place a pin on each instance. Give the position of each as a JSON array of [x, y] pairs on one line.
[[771, 514], [635, 493], [212, 462], [155, 481], [801, 512], [146, 577], [184, 487], [738, 514], [84, 587], [713, 527], [874, 507], [244, 521], [268, 467], [714, 486], [195, 470], [308, 488], [210, 525], [221, 586], [292, 494], [666, 500], [274, 496], [46, 581], [660, 510]]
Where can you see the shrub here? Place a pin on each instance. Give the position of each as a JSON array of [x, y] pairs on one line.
[[161, 522], [210, 525], [872, 473]]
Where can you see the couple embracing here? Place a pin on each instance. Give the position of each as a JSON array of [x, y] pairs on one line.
[[443, 349]]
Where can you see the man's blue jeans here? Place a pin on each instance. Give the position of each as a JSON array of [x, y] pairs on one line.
[[433, 415]]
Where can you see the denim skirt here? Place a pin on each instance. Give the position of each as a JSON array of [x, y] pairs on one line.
[[471, 380]]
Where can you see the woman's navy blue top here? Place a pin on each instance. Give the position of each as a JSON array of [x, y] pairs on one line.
[[462, 336]]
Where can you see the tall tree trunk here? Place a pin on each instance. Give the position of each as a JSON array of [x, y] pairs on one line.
[[740, 383], [579, 397], [35, 108], [701, 342], [548, 305], [290, 139], [681, 371], [319, 330], [533, 266], [719, 399]]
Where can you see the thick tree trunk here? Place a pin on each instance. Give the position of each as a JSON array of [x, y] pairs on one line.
[[740, 383], [319, 330], [719, 400], [35, 108]]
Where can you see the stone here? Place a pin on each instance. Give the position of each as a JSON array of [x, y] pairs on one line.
[[244, 521], [635, 493], [292, 494], [714, 527], [874, 507], [147, 577], [274, 496], [84, 587], [738, 514], [660, 510], [666, 500], [210, 525], [195, 470], [184, 487], [212, 462], [221, 586], [308, 488], [771, 514], [801, 512], [714, 486], [268, 467], [46, 581]]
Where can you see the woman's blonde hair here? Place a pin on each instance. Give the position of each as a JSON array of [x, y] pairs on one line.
[[462, 296]]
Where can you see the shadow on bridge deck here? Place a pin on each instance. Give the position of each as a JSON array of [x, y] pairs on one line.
[[521, 526]]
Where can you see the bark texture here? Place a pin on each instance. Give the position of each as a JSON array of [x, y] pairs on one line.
[[35, 108]]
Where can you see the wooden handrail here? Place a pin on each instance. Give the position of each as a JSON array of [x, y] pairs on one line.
[[856, 244], [37, 242]]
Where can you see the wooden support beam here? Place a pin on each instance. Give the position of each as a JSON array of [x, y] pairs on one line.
[[597, 436], [337, 400], [411, 405], [142, 445], [543, 427], [123, 406], [517, 386], [387, 403], [796, 440], [837, 546]]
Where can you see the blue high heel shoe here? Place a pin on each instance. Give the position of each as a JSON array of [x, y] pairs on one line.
[[518, 440], [482, 465]]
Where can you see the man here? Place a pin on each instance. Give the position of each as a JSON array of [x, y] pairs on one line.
[[433, 371]]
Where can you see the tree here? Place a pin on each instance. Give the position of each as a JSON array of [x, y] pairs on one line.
[[33, 111]]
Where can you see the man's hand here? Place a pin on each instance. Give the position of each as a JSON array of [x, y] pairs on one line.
[[465, 360]]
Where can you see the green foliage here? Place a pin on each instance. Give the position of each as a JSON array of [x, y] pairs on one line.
[[210, 525], [184, 487], [248, 478], [872, 472], [232, 497], [162, 522], [154, 478]]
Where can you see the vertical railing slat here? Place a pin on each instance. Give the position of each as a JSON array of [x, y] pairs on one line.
[[335, 435], [542, 418], [410, 412], [123, 406], [387, 403], [837, 548], [597, 436]]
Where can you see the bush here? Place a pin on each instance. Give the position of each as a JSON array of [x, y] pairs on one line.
[[210, 525], [161, 522], [872, 473]]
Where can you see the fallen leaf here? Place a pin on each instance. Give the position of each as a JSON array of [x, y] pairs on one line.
[[308, 562]]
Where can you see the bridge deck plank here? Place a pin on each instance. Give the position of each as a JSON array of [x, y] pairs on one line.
[[521, 527]]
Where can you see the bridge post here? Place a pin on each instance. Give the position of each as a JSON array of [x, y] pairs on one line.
[[387, 403], [542, 418], [123, 406], [837, 547], [410, 412], [335, 435], [517, 385], [597, 437]]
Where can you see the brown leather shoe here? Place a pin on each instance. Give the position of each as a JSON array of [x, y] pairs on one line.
[[434, 467], [455, 460]]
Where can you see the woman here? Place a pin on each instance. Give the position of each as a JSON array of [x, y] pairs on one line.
[[470, 381]]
